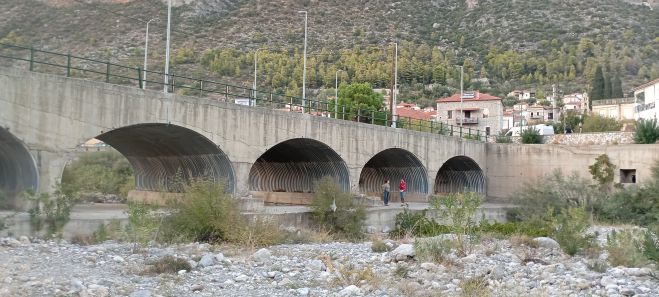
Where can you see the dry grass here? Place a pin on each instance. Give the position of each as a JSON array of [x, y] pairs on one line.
[[351, 274], [168, 264], [475, 287], [522, 240]]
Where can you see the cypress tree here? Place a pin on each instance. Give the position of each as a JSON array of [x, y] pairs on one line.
[[607, 87], [616, 88], [597, 86]]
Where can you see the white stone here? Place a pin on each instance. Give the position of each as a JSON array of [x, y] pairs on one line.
[[207, 260], [76, 285], [637, 271], [24, 240], [607, 280], [316, 265], [351, 290], [118, 259], [402, 252], [181, 272], [141, 293], [241, 278], [219, 257], [546, 242], [303, 291], [262, 255], [428, 266]]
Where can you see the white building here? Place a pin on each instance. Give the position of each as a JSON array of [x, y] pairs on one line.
[[647, 98]]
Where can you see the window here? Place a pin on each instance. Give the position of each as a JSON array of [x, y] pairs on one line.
[[487, 131], [486, 113], [467, 114], [627, 176], [450, 114]]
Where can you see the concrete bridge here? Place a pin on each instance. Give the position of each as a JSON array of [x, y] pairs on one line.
[[254, 150], [276, 155]]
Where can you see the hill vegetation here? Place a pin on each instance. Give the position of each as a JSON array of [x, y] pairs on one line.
[[502, 44]]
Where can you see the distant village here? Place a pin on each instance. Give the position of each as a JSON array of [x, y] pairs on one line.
[[485, 112]]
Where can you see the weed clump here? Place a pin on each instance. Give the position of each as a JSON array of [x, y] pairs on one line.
[[336, 210]]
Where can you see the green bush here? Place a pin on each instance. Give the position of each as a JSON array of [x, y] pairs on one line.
[[570, 227], [531, 136], [646, 131], [204, 213], [143, 224], [415, 223], [432, 249], [650, 244], [459, 210], [336, 210], [633, 205], [502, 138], [528, 228], [49, 212], [597, 123], [624, 248], [379, 246], [554, 191], [106, 172]]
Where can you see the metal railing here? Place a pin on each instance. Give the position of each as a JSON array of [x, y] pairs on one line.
[[613, 101], [80, 67]]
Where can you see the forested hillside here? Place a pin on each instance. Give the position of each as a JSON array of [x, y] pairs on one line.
[[508, 44]]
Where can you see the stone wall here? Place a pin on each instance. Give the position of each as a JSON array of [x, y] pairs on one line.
[[602, 138]]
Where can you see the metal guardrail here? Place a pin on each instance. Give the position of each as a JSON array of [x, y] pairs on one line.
[[80, 67]]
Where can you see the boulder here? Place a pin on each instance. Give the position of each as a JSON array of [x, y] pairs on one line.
[[262, 255], [403, 252], [546, 242]]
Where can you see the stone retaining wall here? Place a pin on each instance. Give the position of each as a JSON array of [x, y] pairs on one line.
[[577, 139]]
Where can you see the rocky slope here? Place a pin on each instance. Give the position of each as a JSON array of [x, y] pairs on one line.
[[495, 268]]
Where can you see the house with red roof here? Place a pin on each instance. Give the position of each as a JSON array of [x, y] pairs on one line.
[[474, 110]]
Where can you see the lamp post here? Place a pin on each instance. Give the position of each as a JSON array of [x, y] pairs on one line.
[[336, 94], [255, 62], [461, 93], [169, 24], [394, 104], [304, 65], [146, 51]]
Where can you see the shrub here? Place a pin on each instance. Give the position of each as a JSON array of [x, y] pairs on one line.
[[336, 210], [531, 136], [415, 223], [50, 212], [597, 123], [142, 223], [624, 249], [379, 246], [554, 191], [106, 172], [650, 244], [459, 209], [205, 213], [169, 264], [475, 287], [646, 131], [570, 227], [602, 170], [432, 249], [633, 205], [503, 138]]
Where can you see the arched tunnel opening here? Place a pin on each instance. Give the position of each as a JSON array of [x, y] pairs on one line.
[[460, 174], [166, 157], [294, 166], [18, 170], [395, 164]]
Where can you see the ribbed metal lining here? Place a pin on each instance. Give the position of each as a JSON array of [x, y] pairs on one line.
[[460, 174], [394, 164], [165, 157], [18, 171], [295, 165]]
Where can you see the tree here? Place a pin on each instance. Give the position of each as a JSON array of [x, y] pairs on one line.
[[616, 88], [597, 86], [607, 87], [598, 123], [360, 99]]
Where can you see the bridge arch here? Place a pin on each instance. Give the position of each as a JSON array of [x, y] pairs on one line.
[[295, 165], [394, 164], [18, 169], [460, 174], [164, 157]]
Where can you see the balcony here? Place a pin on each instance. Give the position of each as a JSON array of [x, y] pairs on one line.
[[467, 121]]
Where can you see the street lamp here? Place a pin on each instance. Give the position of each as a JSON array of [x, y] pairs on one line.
[[336, 94], [461, 93], [255, 61], [169, 24], [304, 66], [146, 51], [394, 104]]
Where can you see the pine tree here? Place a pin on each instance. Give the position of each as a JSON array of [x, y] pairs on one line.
[[597, 86]]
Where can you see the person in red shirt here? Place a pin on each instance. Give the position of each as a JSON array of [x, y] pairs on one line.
[[402, 187]]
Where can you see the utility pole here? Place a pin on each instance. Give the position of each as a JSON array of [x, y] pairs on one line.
[[169, 24], [393, 107], [146, 51], [304, 65]]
